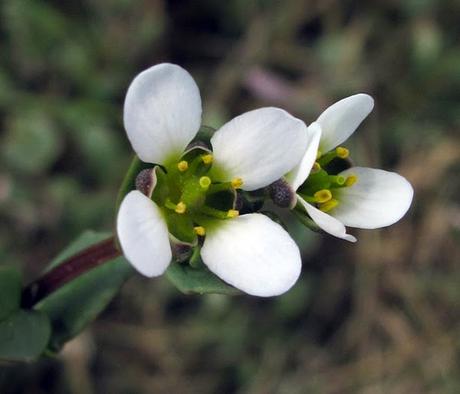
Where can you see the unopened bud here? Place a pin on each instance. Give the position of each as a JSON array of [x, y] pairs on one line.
[[146, 181], [282, 194]]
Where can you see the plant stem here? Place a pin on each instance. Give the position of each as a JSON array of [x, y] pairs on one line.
[[68, 270]]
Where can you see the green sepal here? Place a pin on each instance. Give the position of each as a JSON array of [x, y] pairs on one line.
[[191, 280], [24, 336], [303, 218], [79, 302], [10, 291], [129, 181]]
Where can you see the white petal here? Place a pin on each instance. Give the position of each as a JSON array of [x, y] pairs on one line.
[[326, 222], [162, 112], [143, 234], [259, 146], [379, 198], [341, 119], [300, 173], [254, 254]]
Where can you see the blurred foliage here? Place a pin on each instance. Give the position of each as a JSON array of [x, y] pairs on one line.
[[378, 316]]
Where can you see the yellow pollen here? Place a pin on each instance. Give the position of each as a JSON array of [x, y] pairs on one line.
[[237, 183], [351, 180], [182, 166], [316, 167], [180, 207], [207, 159], [323, 196], [199, 230], [342, 152], [318, 155], [205, 182], [232, 213], [327, 206]]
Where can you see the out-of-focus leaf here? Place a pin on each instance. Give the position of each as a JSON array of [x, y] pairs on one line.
[[10, 291], [31, 144], [197, 280], [24, 336], [78, 303]]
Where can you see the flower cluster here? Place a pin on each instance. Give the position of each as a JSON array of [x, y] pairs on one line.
[[191, 197]]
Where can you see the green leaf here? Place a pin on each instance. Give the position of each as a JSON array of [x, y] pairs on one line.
[[197, 280], [129, 182], [10, 291], [24, 336], [78, 303]]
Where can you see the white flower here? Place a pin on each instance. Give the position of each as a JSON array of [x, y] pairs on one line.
[[358, 197], [162, 114]]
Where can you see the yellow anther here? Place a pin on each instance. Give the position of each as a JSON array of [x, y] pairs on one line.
[[340, 180], [199, 230], [342, 152], [316, 167], [318, 155], [237, 183], [327, 206], [182, 165], [205, 182], [323, 196], [180, 207], [351, 180], [207, 159], [232, 213]]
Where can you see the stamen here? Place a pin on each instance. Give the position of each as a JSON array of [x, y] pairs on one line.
[[337, 179], [182, 166], [318, 155], [351, 180], [205, 182], [199, 230], [323, 196], [207, 159], [237, 183], [217, 213], [232, 213], [316, 168], [180, 207], [327, 206], [342, 152]]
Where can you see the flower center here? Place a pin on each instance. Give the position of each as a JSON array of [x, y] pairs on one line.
[[323, 186], [189, 198]]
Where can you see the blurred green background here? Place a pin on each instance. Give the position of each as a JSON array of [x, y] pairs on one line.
[[380, 316]]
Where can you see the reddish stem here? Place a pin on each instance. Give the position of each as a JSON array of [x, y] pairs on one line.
[[68, 270]]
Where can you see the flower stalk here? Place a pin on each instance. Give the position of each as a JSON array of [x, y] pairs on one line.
[[68, 270]]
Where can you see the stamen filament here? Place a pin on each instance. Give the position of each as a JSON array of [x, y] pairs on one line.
[[216, 213], [180, 207], [339, 152]]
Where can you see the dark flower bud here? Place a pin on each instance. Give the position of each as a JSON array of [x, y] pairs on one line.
[[146, 181], [282, 194]]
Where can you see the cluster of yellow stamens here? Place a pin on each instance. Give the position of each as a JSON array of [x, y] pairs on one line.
[[192, 183], [327, 186]]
